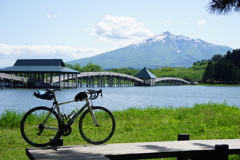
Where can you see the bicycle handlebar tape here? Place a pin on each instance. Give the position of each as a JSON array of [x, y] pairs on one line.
[[80, 96]]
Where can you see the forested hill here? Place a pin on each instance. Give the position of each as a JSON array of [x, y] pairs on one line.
[[160, 51], [223, 69]]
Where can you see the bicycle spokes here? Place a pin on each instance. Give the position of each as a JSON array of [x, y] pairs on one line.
[[38, 131], [97, 134]]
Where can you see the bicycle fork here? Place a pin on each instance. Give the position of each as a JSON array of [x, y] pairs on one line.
[[93, 115]]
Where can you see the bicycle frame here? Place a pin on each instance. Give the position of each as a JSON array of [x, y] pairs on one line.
[[88, 105]]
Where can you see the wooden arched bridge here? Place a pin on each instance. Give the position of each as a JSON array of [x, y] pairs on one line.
[[113, 79], [99, 79], [172, 79], [10, 80], [110, 79], [93, 79]]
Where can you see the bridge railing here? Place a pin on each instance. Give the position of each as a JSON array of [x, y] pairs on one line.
[[86, 74], [89, 74], [4, 76], [172, 79], [114, 74]]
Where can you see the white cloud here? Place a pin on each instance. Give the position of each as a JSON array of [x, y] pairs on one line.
[[10, 53], [120, 31], [122, 27], [201, 22]]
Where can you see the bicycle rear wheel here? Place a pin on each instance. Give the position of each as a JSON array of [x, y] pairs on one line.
[[97, 134], [41, 127]]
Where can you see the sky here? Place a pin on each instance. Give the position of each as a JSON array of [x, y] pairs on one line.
[[74, 29]]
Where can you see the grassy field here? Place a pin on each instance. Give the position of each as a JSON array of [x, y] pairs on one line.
[[203, 121]]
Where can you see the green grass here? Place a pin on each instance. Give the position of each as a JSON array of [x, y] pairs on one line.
[[203, 121]]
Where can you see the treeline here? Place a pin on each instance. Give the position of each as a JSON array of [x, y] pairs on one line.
[[223, 69], [193, 74], [90, 67]]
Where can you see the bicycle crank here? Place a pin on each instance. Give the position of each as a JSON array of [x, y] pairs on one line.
[[67, 130]]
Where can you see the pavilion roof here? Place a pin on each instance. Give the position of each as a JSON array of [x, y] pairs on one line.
[[145, 74], [38, 66]]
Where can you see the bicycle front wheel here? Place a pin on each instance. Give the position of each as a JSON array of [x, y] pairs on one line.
[[41, 126], [97, 134]]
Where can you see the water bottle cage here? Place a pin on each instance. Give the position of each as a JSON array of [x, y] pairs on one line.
[[70, 114], [65, 118]]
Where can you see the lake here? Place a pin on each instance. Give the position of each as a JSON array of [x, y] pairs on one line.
[[119, 98]]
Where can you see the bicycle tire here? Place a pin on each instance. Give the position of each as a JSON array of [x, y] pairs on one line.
[[34, 133], [97, 134]]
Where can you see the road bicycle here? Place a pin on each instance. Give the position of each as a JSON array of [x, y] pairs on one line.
[[43, 126]]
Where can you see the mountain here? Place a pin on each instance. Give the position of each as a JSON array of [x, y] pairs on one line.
[[163, 50]]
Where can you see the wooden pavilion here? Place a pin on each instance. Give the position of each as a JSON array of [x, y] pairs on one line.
[[43, 73], [148, 77]]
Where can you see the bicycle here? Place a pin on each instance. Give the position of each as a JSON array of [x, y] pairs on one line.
[[42, 126]]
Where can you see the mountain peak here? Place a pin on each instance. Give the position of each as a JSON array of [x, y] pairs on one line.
[[163, 35], [162, 38], [166, 33], [169, 38]]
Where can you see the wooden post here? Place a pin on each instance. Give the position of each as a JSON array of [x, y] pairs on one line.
[[81, 82], [59, 78], [12, 84], [76, 80], [59, 142], [183, 137], [68, 85], [221, 152], [73, 80]]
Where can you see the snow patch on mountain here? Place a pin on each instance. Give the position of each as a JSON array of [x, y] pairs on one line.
[[158, 38], [166, 36], [175, 39]]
